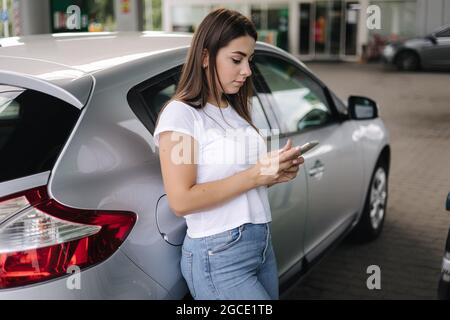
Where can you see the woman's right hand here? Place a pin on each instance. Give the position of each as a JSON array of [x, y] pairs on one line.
[[278, 166]]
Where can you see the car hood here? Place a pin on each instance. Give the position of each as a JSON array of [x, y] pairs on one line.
[[411, 42]]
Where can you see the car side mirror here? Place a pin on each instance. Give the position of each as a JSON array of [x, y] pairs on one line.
[[362, 108], [448, 202]]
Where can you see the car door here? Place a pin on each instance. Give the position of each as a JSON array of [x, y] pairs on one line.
[[288, 201], [305, 112], [438, 55]]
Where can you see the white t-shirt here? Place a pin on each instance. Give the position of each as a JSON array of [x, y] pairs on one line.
[[227, 145]]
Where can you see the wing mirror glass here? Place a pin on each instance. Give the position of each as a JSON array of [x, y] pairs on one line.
[[362, 108]]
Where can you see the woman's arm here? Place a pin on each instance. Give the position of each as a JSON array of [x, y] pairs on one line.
[[186, 196]]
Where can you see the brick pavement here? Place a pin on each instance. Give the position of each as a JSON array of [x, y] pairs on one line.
[[416, 110]]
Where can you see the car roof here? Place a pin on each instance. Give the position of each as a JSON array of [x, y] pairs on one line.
[[70, 61], [73, 61], [91, 52]]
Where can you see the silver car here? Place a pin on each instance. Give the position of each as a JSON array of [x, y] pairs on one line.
[[430, 52], [83, 211], [444, 279]]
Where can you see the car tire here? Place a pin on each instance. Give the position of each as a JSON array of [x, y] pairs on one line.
[[371, 222], [407, 61]]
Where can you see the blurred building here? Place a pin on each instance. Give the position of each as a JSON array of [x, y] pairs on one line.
[[318, 29], [309, 29], [50, 16]]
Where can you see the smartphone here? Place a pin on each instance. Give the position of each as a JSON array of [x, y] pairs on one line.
[[308, 146]]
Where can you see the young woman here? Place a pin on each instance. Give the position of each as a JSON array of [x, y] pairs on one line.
[[217, 182]]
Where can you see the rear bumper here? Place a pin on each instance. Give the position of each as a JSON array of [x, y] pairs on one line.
[[116, 278]]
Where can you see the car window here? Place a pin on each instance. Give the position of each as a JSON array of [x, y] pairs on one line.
[[259, 118], [444, 33], [157, 95], [300, 101], [33, 129]]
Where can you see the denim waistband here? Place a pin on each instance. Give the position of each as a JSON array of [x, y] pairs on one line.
[[236, 229]]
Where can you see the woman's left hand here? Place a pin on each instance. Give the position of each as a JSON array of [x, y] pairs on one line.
[[290, 173]]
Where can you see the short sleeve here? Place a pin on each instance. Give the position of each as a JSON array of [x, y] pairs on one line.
[[176, 116]]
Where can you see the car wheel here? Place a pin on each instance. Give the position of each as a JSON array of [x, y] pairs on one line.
[[372, 218], [408, 61]]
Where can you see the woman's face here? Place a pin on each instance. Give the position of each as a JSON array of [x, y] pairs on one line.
[[232, 64]]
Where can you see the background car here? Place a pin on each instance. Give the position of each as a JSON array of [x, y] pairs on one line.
[[432, 51], [83, 211], [444, 281]]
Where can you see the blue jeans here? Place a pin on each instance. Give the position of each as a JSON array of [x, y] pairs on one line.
[[238, 264]]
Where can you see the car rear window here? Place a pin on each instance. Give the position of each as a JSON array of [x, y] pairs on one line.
[[33, 129]]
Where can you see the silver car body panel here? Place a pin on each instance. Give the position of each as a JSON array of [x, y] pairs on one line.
[[288, 203], [21, 184], [344, 203], [110, 162], [331, 166]]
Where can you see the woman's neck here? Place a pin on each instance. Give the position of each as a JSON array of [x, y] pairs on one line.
[[223, 103]]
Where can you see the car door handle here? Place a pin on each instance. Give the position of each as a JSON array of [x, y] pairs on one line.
[[317, 169]]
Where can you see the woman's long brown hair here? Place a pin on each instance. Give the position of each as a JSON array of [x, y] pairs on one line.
[[216, 31]]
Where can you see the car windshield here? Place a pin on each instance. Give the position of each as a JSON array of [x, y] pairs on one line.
[[443, 32]]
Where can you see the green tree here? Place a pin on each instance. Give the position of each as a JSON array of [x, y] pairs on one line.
[[102, 11], [156, 14]]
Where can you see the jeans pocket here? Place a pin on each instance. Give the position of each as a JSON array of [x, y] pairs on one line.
[[186, 269], [223, 244]]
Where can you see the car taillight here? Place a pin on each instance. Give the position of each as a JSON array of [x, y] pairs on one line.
[[41, 238]]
